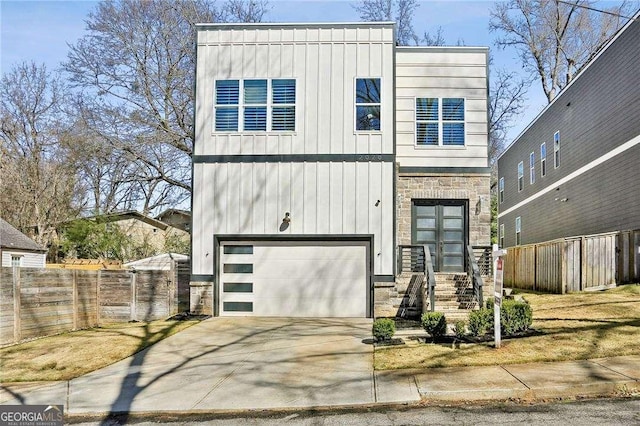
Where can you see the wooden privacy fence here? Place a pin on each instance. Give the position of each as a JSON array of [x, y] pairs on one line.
[[41, 302], [575, 264]]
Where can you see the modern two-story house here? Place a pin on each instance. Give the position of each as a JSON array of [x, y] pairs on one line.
[[319, 150]]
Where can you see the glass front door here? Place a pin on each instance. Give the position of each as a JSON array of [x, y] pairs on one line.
[[441, 225]]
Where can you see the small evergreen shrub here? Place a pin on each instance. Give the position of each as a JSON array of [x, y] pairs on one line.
[[459, 328], [515, 317], [434, 323], [384, 329], [480, 322]]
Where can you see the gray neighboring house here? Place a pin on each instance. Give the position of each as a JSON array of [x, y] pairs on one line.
[[19, 250], [575, 170]]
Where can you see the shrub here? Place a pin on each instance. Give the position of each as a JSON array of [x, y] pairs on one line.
[[434, 323], [384, 329], [459, 328], [480, 322], [515, 317]]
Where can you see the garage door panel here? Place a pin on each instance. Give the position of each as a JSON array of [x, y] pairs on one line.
[[303, 279]]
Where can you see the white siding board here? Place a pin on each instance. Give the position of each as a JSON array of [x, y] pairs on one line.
[[336, 198], [29, 259], [349, 191], [310, 191], [362, 198], [339, 120], [422, 70], [324, 198], [350, 69]]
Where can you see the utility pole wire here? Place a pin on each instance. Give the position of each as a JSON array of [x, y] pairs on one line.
[[617, 15]]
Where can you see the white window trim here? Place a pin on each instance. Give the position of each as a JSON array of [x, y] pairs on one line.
[[241, 105], [501, 236], [501, 190], [532, 168], [356, 105], [520, 176], [440, 123], [518, 230], [556, 149], [543, 159]]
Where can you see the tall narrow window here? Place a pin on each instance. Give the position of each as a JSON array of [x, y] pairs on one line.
[[501, 189], [453, 121], [227, 105], [518, 231], [556, 150], [368, 104], [284, 105], [427, 121], [255, 105], [520, 176], [502, 235], [543, 159], [440, 121], [532, 168]]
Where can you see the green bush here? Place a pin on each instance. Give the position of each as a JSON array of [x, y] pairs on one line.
[[480, 322], [515, 317], [384, 329], [459, 328], [434, 323]]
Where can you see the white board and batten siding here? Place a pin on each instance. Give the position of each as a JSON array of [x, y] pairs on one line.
[[323, 197], [442, 72], [28, 259]]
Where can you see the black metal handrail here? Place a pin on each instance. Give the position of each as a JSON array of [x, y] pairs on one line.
[[474, 274], [417, 258], [484, 258]]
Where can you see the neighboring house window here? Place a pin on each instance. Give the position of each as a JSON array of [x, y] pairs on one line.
[[520, 176], [556, 150], [368, 104], [501, 189], [259, 112], [502, 235], [532, 168], [440, 121], [16, 261], [543, 159], [518, 230]]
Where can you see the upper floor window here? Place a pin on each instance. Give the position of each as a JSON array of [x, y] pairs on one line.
[[520, 176], [543, 159], [518, 231], [259, 111], [368, 104], [501, 189], [556, 150], [532, 168], [440, 121]]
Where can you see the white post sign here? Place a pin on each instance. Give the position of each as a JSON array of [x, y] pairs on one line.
[[497, 291]]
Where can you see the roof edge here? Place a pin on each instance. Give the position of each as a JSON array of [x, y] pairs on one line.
[[253, 25]]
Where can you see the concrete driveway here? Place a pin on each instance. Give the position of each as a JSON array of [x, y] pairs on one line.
[[229, 363]]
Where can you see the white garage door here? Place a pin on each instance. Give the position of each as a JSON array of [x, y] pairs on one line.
[[294, 279]]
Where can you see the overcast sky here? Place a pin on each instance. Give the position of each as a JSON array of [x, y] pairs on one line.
[[41, 30]]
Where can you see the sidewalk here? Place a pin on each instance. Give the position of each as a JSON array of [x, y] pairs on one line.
[[520, 381]]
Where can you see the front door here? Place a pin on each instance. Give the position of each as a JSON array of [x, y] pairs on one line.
[[441, 225]]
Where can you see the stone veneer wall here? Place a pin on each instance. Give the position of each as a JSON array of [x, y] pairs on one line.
[[472, 187], [201, 298]]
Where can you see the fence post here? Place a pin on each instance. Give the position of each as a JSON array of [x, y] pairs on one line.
[[17, 325], [134, 297], [98, 283], [74, 286]]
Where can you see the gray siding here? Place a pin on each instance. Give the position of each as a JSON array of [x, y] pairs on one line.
[[596, 114]]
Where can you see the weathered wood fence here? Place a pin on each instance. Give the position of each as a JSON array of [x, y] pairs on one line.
[[41, 302], [575, 264]]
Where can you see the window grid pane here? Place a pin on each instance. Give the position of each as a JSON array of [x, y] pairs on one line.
[[453, 109], [255, 91], [427, 134], [227, 92], [255, 118], [284, 91], [367, 118], [367, 91], [453, 134], [427, 109], [227, 119], [283, 118]]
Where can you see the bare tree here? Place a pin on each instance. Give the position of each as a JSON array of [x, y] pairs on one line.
[[554, 38], [135, 68], [38, 184]]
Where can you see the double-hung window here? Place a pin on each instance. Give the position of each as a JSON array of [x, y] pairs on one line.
[[501, 189], [543, 159], [520, 176], [532, 168], [518, 231], [556, 150], [440, 122], [255, 105], [368, 97]]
